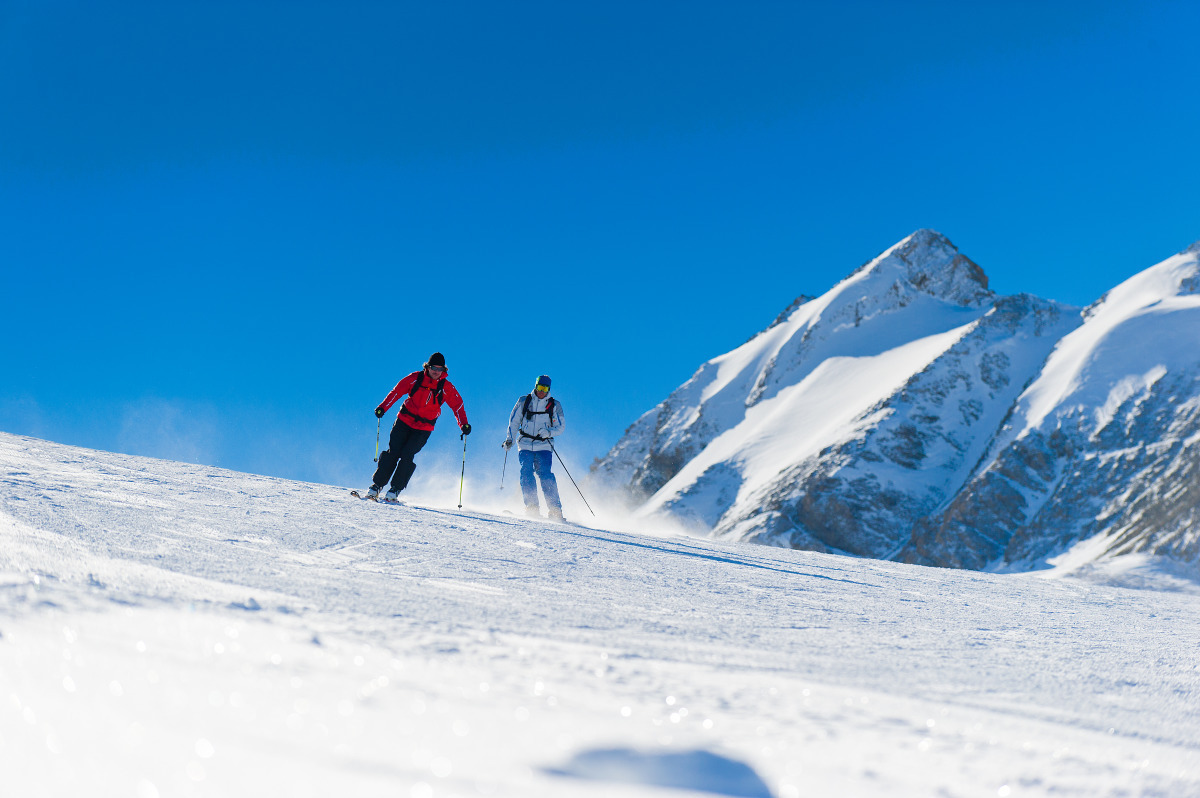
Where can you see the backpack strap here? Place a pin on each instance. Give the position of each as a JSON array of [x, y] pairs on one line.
[[529, 414], [439, 392]]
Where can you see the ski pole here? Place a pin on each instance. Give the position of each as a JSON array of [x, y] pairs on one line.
[[377, 423], [573, 482], [463, 476], [503, 468]]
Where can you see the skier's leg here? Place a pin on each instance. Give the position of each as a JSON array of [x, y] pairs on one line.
[[528, 486], [413, 443], [389, 456], [541, 467]]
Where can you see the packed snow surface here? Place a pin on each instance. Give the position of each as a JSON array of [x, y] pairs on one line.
[[177, 630]]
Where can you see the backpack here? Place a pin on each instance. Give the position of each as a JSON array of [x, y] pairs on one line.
[[529, 414]]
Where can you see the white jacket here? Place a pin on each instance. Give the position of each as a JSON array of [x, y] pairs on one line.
[[539, 424]]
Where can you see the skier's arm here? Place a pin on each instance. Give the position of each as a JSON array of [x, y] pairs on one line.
[[557, 422], [402, 388], [455, 401], [514, 423]]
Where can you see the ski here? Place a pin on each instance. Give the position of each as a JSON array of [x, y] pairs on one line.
[[366, 497]]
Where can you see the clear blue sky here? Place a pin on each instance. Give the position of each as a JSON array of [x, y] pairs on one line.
[[228, 228]]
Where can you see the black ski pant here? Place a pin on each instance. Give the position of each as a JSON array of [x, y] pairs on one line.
[[403, 446]]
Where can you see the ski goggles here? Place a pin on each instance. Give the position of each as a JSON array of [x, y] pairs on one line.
[[543, 389], [436, 369]]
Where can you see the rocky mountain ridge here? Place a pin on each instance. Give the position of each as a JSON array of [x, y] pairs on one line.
[[910, 413]]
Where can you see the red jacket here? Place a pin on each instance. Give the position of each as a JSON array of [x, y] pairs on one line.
[[422, 409]]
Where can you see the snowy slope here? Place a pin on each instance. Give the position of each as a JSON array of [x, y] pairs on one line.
[[168, 629], [1101, 450]]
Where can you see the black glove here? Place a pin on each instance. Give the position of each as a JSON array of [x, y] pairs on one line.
[[466, 429], [507, 443], [379, 411]]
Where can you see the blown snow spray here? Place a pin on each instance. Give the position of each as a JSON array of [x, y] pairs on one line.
[[573, 482]]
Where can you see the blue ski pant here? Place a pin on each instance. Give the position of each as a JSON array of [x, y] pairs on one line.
[[538, 463]]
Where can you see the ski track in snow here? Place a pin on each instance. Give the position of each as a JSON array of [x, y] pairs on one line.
[[169, 629]]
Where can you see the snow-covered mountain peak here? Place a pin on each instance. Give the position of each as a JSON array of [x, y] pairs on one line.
[[922, 267], [1100, 447], [910, 413], [888, 318], [930, 263], [1177, 276]]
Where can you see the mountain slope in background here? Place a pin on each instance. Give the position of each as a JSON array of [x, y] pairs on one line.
[[1102, 446], [910, 413]]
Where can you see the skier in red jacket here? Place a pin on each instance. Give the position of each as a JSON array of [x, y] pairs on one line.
[[425, 391]]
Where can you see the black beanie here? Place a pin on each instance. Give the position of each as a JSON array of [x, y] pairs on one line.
[[436, 359]]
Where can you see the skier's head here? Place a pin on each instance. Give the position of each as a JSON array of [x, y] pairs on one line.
[[436, 363], [542, 386]]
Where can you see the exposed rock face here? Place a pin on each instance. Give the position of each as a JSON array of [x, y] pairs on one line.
[[865, 495], [1102, 447], [1134, 484], [909, 413]]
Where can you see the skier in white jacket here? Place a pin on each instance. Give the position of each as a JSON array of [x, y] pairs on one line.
[[536, 419]]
